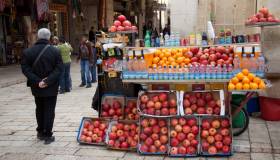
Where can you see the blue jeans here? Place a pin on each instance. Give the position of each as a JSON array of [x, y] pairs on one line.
[[64, 80], [93, 72], [85, 75]]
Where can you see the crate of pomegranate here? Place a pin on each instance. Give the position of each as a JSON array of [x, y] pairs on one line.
[[202, 103], [184, 136], [153, 138], [130, 111], [93, 131], [112, 106], [123, 135], [158, 103], [216, 136]]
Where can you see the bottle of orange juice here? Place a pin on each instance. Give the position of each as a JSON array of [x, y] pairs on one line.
[[238, 51], [257, 51]]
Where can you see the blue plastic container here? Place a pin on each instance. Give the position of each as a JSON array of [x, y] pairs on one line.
[[253, 105]]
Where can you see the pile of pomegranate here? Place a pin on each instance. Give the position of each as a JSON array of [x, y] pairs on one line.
[[122, 24], [160, 104], [153, 135], [184, 136], [113, 110], [215, 136], [262, 16], [93, 131], [123, 136], [130, 111], [201, 103]]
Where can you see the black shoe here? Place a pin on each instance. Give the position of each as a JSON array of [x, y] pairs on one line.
[[40, 136], [49, 140], [93, 81], [61, 92], [67, 90], [88, 86], [81, 85]]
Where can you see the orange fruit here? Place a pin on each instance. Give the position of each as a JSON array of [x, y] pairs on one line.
[[234, 80], [161, 62], [185, 50], [254, 86], [173, 64], [245, 71], [155, 60], [251, 76], [187, 60], [231, 86], [167, 63], [246, 86], [180, 59], [257, 80], [173, 51], [161, 55], [154, 65], [167, 54], [262, 85], [245, 80], [157, 53], [164, 59], [179, 54], [182, 64], [239, 86], [240, 76], [171, 59]]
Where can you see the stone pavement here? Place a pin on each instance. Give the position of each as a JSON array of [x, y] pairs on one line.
[[18, 137]]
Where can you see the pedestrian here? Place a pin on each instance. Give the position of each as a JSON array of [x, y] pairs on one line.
[[93, 66], [54, 41], [85, 57], [65, 51], [91, 35], [42, 65]]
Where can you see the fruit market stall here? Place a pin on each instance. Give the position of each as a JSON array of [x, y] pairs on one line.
[[182, 107]]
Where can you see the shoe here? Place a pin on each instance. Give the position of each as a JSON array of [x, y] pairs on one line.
[[81, 85], [67, 90], [40, 136], [88, 86], [61, 92], [93, 81], [49, 140]]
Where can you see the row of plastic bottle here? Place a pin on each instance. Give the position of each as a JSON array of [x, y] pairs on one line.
[[253, 64], [134, 68], [191, 72]]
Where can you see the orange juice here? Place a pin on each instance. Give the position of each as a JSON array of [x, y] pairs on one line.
[[149, 58], [257, 51], [238, 51]]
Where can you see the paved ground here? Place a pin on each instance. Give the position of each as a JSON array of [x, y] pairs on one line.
[[17, 128]]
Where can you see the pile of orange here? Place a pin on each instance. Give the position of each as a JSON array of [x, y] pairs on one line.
[[246, 81], [170, 57]]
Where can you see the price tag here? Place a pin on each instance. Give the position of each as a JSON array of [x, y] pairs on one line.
[[112, 74]]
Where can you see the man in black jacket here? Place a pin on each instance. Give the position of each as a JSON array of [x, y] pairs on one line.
[[42, 65]]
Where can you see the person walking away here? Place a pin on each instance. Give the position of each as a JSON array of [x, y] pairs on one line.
[[42, 65], [65, 51], [85, 57], [91, 35]]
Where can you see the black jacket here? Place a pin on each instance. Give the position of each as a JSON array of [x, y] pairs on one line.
[[49, 66]]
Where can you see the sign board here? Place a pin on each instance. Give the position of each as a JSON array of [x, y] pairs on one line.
[[42, 8]]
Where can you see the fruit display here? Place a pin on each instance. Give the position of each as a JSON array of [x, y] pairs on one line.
[[209, 103], [158, 103], [246, 81], [153, 136], [193, 56], [93, 131], [122, 24], [123, 135], [184, 136], [130, 111], [263, 16], [112, 107], [216, 137]]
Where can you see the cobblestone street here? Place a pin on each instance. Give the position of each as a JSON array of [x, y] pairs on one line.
[[18, 137]]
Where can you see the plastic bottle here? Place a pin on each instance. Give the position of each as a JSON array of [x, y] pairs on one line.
[[219, 71], [150, 73], [230, 71], [236, 64], [155, 73], [198, 38], [166, 40], [244, 62], [213, 72], [147, 40], [191, 72], [170, 73], [253, 64], [177, 39], [185, 72], [143, 65], [160, 73], [157, 42], [261, 66], [176, 73], [208, 72], [181, 73], [161, 40], [202, 71], [124, 68], [196, 72], [165, 73], [224, 72]]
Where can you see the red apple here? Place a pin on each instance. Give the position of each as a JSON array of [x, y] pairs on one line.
[[195, 130], [205, 125], [157, 105], [212, 150], [163, 139], [186, 129], [186, 143], [174, 142], [117, 23], [182, 121], [149, 141], [218, 137], [219, 145], [226, 149], [156, 129], [155, 98], [151, 111], [192, 122], [145, 123], [225, 123], [150, 104], [144, 98], [181, 136], [164, 104], [205, 146], [113, 29], [204, 134], [212, 131], [126, 23], [162, 123], [213, 57], [164, 112], [210, 139], [88, 140], [178, 128], [186, 103], [143, 136], [162, 148], [194, 142], [172, 102], [83, 138], [121, 18], [216, 124], [209, 110], [164, 130], [157, 143], [182, 150], [227, 140], [148, 130], [174, 122], [112, 136], [191, 136]]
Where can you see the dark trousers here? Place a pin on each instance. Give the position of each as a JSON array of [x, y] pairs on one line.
[[64, 81], [45, 113]]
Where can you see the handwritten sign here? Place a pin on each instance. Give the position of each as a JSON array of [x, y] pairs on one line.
[[42, 8]]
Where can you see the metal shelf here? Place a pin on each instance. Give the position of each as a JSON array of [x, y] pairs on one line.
[[192, 81], [263, 24]]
